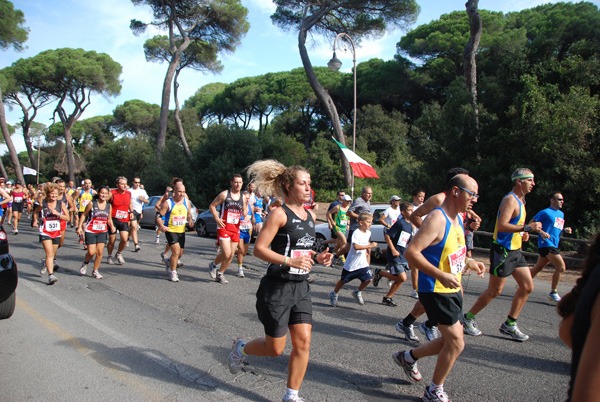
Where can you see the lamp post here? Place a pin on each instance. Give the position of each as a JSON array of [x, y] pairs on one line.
[[335, 64]]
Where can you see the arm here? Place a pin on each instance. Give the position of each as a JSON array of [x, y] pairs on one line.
[[83, 218], [160, 202], [587, 381], [36, 213], [432, 202], [325, 258], [383, 222], [213, 208], [330, 216], [6, 197], [159, 221], [391, 246]]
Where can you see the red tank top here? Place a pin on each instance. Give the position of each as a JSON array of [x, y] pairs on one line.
[[231, 212], [120, 205]]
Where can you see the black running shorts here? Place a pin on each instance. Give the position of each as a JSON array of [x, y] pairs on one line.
[[173, 238], [503, 261], [442, 308], [544, 251], [95, 238], [120, 226]]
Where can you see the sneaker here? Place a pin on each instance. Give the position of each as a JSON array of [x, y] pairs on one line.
[[127, 245], [80, 240], [119, 258], [377, 277], [137, 248], [52, 279], [435, 396], [162, 257], [415, 294], [470, 327], [554, 296], [236, 358], [358, 296], [179, 264], [174, 276], [293, 399], [167, 264], [83, 269], [221, 279], [513, 331], [43, 269], [157, 241], [212, 270], [240, 273], [388, 301], [409, 333], [410, 369], [15, 232], [333, 298], [430, 333], [56, 266], [96, 275], [110, 261]]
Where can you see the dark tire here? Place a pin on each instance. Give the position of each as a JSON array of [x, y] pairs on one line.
[[7, 307], [318, 245], [201, 229]]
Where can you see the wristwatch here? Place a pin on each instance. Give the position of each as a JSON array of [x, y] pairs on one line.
[[526, 228]]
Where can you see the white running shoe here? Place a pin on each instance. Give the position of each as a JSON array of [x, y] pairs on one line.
[[415, 294], [96, 275], [236, 358], [435, 396], [212, 270], [554, 296], [120, 259], [43, 269], [514, 332], [333, 298], [410, 369], [174, 276], [358, 296], [240, 273], [52, 279], [221, 279], [157, 241], [409, 332], [83, 269], [168, 264], [110, 261]]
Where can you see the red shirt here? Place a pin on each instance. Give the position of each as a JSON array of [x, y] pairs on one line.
[[120, 205]]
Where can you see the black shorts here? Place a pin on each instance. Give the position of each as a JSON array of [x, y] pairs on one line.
[[503, 261], [280, 303], [95, 238], [54, 241], [544, 251], [442, 308], [173, 238], [120, 226], [469, 240], [136, 216], [18, 207]]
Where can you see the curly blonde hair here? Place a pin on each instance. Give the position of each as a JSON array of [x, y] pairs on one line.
[[272, 177], [49, 188]]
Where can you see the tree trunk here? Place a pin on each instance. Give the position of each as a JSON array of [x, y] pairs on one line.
[[69, 152], [326, 101], [11, 147], [470, 63], [2, 169], [29, 146], [164, 105], [186, 148]]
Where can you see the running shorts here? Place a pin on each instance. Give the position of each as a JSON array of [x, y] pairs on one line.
[[363, 274], [544, 251], [173, 238], [120, 226], [503, 261], [18, 207], [54, 241], [442, 308], [397, 268], [245, 236], [95, 238], [228, 234]]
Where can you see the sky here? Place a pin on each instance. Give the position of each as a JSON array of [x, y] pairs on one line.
[[103, 26]]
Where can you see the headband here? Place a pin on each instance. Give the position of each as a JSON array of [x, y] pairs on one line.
[[522, 176]]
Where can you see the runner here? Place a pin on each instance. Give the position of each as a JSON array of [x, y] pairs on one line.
[[439, 250], [139, 197], [70, 190], [257, 205], [391, 214], [360, 205], [245, 234], [233, 207], [51, 213], [19, 198], [553, 223], [283, 297], [83, 197], [30, 193], [506, 258], [68, 201], [337, 218], [96, 221], [122, 213], [5, 198], [168, 194], [8, 211], [175, 212]]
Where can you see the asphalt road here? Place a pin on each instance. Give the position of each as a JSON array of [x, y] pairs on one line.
[[135, 336]]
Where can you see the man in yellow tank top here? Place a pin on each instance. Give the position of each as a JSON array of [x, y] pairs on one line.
[[506, 258]]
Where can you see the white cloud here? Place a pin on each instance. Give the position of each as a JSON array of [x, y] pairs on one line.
[[264, 6]]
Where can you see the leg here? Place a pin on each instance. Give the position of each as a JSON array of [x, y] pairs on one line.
[[523, 277], [338, 286], [453, 345], [50, 250], [133, 231], [559, 265], [123, 243], [494, 289], [300, 335], [175, 253], [267, 346], [539, 265], [398, 279], [91, 253], [363, 285], [99, 252], [227, 251], [414, 277], [111, 243]]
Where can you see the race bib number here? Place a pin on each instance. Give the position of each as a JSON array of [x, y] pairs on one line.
[[403, 239], [299, 253], [52, 226], [245, 225], [84, 203], [99, 226], [344, 222], [18, 199], [457, 260], [121, 214], [233, 218], [559, 223], [178, 220]]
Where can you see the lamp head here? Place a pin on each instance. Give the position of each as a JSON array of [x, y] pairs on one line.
[[334, 64]]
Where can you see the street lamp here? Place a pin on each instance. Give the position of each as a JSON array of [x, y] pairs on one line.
[[335, 64]]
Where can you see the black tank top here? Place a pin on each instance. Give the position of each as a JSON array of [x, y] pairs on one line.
[[294, 238]]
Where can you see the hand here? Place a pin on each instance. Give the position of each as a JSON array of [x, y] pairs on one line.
[[220, 223], [304, 263], [475, 225], [35, 224], [568, 230], [164, 229], [373, 244], [79, 232], [325, 258], [191, 223], [449, 281], [544, 235], [395, 252], [525, 236], [536, 226], [478, 267]]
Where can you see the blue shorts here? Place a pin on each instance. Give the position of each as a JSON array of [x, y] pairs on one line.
[[363, 274], [245, 236], [397, 267]]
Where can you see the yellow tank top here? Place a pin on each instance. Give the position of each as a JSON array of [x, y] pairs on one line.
[[84, 199], [177, 216]]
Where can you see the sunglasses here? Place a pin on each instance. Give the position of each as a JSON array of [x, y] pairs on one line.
[[472, 194]]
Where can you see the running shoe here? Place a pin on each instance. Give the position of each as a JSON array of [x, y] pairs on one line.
[[179, 264], [470, 327], [212, 270], [52, 279], [85, 247], [435, 396], [96, 275], [410, 369], [127, 245], [388, 301], [409, 332], [137, 248], [430, 333], [80, 240], [162, 257], [514, 332], [43, 269], [415, 294], [377, 277], [358, 296], [554, 296], [333, 298], [119, 258], [221, 279], [167, 264], [236, 357], [83, 269], [110, 261], [56, 266], [16, 232], [240, 273], [174, 276], [157, 241], [293, 399]]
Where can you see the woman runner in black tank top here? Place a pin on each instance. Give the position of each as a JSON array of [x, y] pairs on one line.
[[283, 297]]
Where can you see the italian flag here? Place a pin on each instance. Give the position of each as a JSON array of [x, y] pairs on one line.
[[360, 167]]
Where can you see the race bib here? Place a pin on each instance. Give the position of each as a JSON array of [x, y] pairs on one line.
[[51, 226], [457, 260], [233, 217], [344, 222], [403, 239], [178, 220], [245, 225], [18, 199], [99, 226], [559, 223], [299, 253], [121, 214], [84, 203]]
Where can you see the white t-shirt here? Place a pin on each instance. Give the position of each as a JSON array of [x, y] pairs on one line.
[[137, 204], [391, 215], [357, 259]]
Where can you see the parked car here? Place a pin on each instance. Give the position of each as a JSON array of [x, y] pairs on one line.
[[206, 224], [149, 214], [323, 232], [8, 278]]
